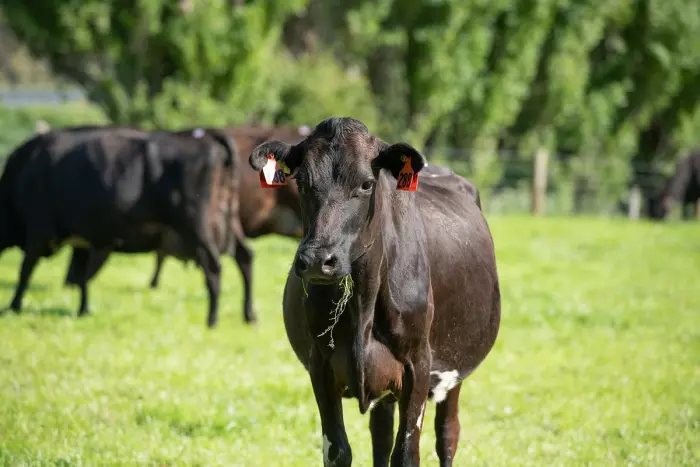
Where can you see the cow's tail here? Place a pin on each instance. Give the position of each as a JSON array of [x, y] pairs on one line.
[[232, 159], [10, 234], [232, 164]]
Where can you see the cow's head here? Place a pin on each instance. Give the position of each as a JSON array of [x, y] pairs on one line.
[[337, 169]]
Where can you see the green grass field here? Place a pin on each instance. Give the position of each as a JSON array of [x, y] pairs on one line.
[[597, 362]]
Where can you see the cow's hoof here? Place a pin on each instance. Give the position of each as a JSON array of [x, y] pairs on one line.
[[154, 285], [83, 313], [211, 324]]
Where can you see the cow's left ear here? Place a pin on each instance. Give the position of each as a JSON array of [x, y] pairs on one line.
[[285, 153], [275, 161], [393, 158]]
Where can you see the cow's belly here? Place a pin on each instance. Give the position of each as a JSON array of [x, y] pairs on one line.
[[467, 300]]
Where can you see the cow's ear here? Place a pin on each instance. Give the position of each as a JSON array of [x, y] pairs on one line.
[[282, 152], [393, 158], [275, 161]]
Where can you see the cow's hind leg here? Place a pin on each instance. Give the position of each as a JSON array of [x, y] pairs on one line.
[[381, 425], [29, 262], [209, 262], [160, 257], [244, 259], [447, 427], [72, 274]]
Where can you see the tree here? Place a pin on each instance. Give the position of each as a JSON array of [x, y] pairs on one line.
[[159, 62]]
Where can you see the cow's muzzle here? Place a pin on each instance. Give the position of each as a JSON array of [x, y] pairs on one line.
[[317, 266]]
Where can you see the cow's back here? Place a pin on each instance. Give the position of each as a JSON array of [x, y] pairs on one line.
[[463, 272]]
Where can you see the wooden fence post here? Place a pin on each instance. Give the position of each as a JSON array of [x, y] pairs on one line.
[[635, 203], [539, 181]]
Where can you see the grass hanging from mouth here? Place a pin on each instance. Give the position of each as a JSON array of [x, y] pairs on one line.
[[346, 284]]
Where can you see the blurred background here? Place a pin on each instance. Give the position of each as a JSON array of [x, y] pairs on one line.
[[576, 111], [592, 101]]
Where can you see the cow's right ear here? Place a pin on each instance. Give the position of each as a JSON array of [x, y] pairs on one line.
[[275, 160]]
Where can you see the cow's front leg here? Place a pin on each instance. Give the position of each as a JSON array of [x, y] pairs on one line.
[[31, 258], [336, 447], [414, 397]]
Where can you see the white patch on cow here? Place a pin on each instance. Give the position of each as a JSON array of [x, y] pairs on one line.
[[198, 132], [304, 130], [374, 402], [447, 380], [419, 422], [326, 449]]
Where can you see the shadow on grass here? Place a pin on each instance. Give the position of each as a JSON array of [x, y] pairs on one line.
[[50, 311], [54, 311], [7, 285]]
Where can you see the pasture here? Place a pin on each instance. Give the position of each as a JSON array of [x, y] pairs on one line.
[[597, 362]]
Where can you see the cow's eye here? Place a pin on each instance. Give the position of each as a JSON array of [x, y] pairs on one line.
[[367, 185]]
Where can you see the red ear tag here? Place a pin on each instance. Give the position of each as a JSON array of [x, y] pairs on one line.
[[273, 174], [407, 179]]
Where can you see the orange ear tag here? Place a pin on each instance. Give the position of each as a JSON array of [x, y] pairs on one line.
[[407, 179], [274, 173]]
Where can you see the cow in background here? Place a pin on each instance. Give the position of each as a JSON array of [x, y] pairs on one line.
[[682, 188], [262, 211], [96, 187]]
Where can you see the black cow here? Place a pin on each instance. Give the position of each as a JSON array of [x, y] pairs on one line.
[[392, 296], [96, 186], [223, 221], [682, 188], [261, 212]]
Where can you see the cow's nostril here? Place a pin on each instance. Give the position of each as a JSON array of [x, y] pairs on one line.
[[330, 262], [300, 265]]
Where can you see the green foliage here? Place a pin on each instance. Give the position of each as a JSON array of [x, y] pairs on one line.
[[615, 86], [144, 60], [318, 87], [595, 364]]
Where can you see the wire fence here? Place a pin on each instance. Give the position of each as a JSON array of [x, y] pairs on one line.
[[556, 184]]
